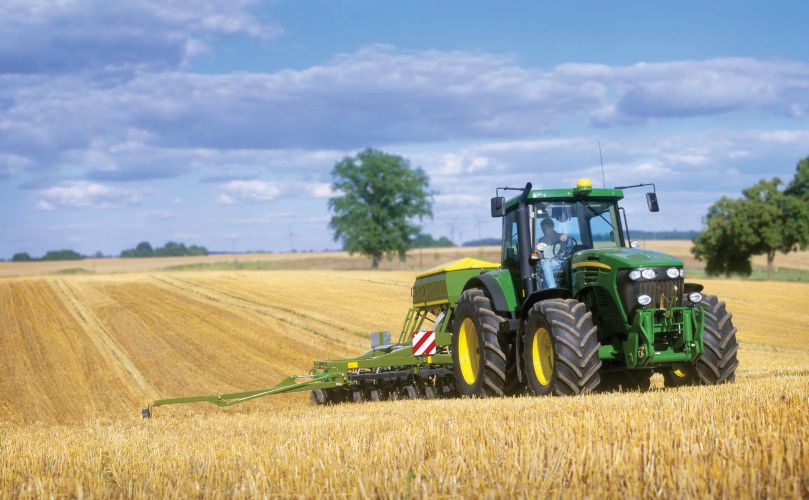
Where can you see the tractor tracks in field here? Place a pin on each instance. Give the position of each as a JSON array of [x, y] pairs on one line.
[[100, 337], [285, 315]]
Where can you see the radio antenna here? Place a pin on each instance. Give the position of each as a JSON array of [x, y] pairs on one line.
[[603, 180]]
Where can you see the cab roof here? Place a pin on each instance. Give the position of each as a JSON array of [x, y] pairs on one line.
[[569, 194]]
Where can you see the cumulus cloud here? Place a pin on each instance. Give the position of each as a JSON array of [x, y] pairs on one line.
[[698, 88], [160, 124], [12, 165], [41, 36], [83, 194], [319, 190], [253, 191]]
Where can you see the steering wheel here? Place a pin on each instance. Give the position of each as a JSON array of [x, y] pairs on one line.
[[562, 249]]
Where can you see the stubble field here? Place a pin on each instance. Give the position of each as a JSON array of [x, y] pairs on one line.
[[79, 356]]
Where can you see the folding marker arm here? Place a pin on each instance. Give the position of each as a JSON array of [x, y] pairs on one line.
[[293, 383]]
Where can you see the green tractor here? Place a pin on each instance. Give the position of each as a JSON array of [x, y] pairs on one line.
[[573, 306]]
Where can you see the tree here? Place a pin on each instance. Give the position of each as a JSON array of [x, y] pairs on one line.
[[144, 249], [799, 186], [765, 221], [719, 244], [780, 221], [427, 241], [170, 249], [62, 255], [21, 257], [378, 196]]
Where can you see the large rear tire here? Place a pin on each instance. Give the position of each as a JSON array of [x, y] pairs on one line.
[[560, 348], [479, 361], [718, 363]]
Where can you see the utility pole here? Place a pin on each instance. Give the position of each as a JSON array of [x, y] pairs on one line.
[[233, 250], [291, 237]]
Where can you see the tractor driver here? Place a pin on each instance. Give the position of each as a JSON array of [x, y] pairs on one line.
[[545, 246]]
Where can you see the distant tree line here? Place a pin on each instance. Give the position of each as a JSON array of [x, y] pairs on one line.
[[423, 240], [170, 249], [144, 249], [663, 235], [49, 255]]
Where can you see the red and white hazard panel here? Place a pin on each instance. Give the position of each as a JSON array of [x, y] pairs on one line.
[[424, 343]]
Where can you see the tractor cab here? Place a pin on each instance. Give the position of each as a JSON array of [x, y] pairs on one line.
[[558, 224], [559, 229]]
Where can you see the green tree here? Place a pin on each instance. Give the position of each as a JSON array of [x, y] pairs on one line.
[[378, 197], [144, 249], [62, 255], [171, 249], [799, 186], [719, 244], [422, 240], [766, 220], [21, 257]]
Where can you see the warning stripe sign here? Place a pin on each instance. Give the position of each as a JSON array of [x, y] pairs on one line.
[[423, 342]]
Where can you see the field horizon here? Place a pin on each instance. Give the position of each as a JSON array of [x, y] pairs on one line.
[[416, 260]]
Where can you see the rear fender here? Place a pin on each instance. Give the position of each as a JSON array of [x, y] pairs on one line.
[[492, 289]]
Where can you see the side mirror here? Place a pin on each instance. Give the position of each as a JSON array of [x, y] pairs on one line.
[[651, 201], [498, 206], [634, 244]]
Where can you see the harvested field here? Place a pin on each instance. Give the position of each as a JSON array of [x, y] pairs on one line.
[[79, 356]]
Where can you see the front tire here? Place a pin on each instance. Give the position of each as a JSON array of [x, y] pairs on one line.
[[718, 363], [479, 361], [560, 348]]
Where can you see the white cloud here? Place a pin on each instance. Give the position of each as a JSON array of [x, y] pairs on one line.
[[166, 123], [83, 194], [12, 165], [55, 37], [700, 88], [319, 190], [252, 191]]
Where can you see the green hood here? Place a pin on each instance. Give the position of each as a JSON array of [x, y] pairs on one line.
[[628, 258]]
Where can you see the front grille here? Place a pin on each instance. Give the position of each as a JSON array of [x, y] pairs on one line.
[[664, 291], [591, 276]]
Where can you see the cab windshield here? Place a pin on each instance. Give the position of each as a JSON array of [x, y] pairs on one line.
[[585, 223]]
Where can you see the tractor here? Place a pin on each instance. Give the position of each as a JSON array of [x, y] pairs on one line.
[[573, 306]]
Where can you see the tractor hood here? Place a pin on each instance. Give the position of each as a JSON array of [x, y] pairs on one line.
[[627, 258]]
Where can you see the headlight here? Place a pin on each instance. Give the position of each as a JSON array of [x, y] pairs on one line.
[[648, 274], [682, 273], [695, 297], [644, 300], [634, 274], [673, 272]]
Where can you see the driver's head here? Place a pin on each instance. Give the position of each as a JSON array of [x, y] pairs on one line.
[[547, 226]]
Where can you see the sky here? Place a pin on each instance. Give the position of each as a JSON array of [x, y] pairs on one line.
[[218, 123]]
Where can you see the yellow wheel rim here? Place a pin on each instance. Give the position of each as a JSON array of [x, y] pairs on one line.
[[679, 372], [542, 355], [468, 356]]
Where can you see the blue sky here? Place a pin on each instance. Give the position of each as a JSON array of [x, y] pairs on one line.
[[218, 123]]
